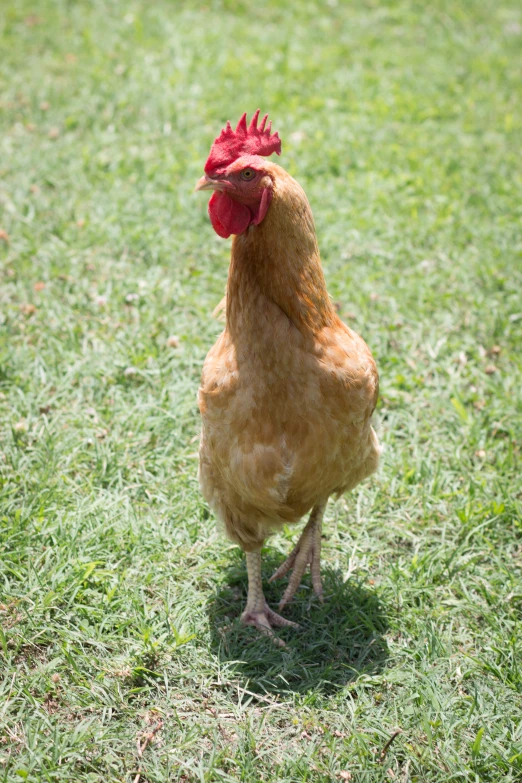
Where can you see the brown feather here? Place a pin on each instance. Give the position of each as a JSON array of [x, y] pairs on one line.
[[288, 390]]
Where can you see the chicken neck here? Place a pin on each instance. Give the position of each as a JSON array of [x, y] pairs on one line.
[[278, 263]]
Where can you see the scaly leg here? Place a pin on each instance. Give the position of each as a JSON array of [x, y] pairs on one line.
[[307, 551], [257, 612]]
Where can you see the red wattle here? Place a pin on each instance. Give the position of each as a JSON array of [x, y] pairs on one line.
[[228, 216], [266, 198]]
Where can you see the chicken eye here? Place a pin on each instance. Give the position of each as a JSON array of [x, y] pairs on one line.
[[247, 174]]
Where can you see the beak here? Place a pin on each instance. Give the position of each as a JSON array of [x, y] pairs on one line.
[[206, 183]]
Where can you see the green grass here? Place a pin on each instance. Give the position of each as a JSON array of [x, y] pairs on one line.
[[119, 600]]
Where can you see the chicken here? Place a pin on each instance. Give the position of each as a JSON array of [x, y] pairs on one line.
[[288, 390]]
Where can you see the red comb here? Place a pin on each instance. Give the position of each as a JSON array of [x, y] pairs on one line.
[[244, 140]]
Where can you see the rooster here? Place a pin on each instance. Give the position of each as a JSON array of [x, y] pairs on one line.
[[288, 390]]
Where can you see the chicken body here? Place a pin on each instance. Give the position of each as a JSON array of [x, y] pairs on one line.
[[287, 391]]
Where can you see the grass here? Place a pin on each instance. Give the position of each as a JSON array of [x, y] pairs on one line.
[[120, 649]]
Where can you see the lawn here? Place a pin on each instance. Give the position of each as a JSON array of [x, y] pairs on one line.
[[121, 654]]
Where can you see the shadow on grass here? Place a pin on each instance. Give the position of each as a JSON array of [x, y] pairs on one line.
[[336, 642]]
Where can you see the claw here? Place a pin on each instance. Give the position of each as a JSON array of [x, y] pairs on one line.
[[317, 584], [285, 567], [257, 611], [264, 620], [306, 552]]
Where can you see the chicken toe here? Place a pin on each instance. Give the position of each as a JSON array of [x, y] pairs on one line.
[[257, 612], [306, 552], [264, 620]]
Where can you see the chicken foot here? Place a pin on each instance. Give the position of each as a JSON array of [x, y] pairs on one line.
[[306, 552], [257, 612]]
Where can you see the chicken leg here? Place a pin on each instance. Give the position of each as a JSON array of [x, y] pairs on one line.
[[307, 551], [257, 612]]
